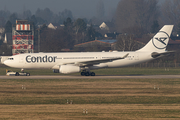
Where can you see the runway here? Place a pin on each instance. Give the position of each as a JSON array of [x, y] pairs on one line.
[[90, 77]]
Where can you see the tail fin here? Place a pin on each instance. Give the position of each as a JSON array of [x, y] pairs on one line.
[[160, 40]]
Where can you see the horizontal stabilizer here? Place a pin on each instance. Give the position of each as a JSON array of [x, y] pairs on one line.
[[157, 55]]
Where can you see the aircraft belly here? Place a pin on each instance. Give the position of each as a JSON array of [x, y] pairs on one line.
[[102, 65]]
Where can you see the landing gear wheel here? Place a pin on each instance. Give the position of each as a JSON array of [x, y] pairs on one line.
[[87, 74], [82, 73], [92, 74]]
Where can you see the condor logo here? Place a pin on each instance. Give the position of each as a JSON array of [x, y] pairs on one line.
[[40, 59], [161, 39]]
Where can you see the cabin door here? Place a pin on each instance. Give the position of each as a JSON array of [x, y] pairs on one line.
[[136, 56], [21, 60]]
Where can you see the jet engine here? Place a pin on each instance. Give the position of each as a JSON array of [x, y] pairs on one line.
[[69, 69]]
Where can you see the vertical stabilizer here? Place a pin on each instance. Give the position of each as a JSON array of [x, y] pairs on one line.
[[160, 40]]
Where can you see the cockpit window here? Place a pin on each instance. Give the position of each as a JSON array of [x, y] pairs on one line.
[[10, 58]]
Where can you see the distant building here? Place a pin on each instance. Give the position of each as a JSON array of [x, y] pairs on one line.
[[111, 35], [104, 26], [55, 26], [105, 44], [173, 44], [51, 26], [108, 30], [109, 26]]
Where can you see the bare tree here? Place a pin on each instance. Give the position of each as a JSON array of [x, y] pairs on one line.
[[62, 16], [100, 9], [45, 14], [137, 31], [55, 40], [79, 25], [126, 43], [27, 14], [171, 12], [140, 13]]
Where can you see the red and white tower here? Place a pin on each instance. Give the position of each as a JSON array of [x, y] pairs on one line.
[[22, 37]]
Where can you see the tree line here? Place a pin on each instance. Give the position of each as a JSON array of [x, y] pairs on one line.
[[147, 14], [134, 19]]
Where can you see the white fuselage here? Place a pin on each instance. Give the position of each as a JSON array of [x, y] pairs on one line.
[[54, 60]]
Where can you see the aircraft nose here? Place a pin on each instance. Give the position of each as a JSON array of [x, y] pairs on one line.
[[5, 62]]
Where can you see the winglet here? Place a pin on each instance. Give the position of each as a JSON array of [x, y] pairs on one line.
[[125, 56]]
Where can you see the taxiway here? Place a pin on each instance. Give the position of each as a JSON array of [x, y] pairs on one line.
[[90, 77]]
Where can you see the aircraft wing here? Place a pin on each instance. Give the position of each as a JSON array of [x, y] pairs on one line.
[[94, 62], [157, 55], [90, 62]]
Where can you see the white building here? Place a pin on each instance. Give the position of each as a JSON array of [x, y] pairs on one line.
[[104, 26], [51, 26]]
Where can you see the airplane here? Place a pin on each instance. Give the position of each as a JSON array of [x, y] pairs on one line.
[[73, 62]]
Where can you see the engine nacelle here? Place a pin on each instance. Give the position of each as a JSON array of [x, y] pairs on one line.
[[69, 69]]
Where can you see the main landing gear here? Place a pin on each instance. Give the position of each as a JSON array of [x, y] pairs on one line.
[[87, 73]]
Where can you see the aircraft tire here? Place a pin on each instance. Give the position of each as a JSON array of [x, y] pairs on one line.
[[82, 73], [92, 74], [87, 74]]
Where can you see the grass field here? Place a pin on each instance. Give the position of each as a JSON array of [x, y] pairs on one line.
[[104, 99]]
